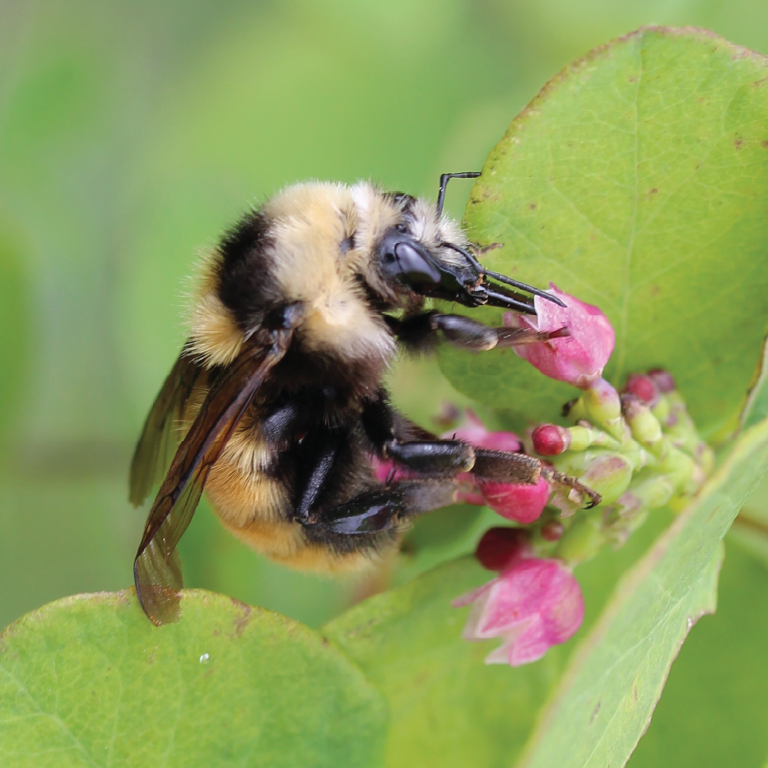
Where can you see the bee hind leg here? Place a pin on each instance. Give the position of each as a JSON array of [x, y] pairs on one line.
[[384, 508]]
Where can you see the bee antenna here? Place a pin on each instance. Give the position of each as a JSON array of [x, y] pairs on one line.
[[444, 179]]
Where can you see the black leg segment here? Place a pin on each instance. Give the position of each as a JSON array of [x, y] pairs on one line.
[[435, 457], [384, 508]]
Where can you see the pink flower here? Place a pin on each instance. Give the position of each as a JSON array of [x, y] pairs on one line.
[[513, 501], [532, 605], [474, 432], [577, 359], [522, 503]]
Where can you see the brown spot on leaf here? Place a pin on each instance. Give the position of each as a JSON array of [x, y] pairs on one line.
[[241, 622], [764, 143], [737, 142], [652, 192], [594, 713], [532, 206]]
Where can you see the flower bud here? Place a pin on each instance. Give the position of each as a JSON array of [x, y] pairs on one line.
[[532, 605], [651, 493], [643, 387], [500, 547], [609, 474], [474, 432], [663, 379], [576, 359], [550, 440], [643, 424], [582, 437], [678, 467], [574, 410], [582, 541], [603, 406], [662, 411], [552, 530], [522, 503]]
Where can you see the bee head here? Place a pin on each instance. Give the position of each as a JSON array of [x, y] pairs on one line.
[[416, 252]]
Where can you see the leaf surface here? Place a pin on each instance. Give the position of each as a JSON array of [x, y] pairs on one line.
[[89, 681], [715, 704], [638, 181]]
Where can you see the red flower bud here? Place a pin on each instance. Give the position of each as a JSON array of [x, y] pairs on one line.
[[643, 387], [500, 547], [550, 440], [552, 531]]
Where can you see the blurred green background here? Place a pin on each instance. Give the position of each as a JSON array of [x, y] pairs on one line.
[[132, 133]]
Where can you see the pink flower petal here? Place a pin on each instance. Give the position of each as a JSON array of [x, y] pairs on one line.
[[577, 359], [533, 605], [522, 503]]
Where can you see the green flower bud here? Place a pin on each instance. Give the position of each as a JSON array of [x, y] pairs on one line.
[[582, 437], [651, 493], [661, 410], [575, 410], [603, 406], [643, 424], [582, 541], [678, 468]]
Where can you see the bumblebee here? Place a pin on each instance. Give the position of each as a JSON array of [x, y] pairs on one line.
[[278, 393]]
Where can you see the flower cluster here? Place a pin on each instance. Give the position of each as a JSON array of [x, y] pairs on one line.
[[637, 448]]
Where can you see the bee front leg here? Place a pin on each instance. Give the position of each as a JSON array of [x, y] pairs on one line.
[[423, 331]]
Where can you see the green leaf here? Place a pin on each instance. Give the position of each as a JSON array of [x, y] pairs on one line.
[[756, 407], [89, 681], [715, 704], [605, 700], [448, 708], [638, 181]]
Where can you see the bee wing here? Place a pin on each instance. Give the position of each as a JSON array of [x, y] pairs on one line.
[[157, 570], [158, 441]]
